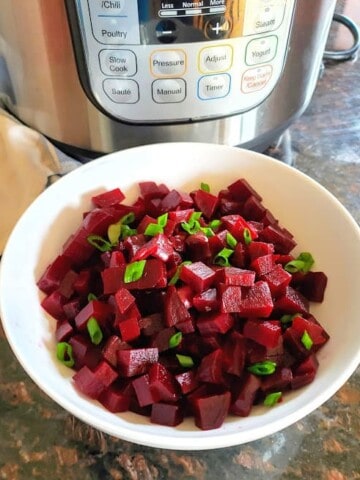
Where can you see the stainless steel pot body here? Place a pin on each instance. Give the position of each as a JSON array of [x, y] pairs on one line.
[[42, 81]]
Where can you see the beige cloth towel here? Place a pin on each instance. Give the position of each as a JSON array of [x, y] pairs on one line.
[[27, 160]]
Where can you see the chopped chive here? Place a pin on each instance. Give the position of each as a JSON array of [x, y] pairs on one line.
[[205, 187], [99, 242], [94, 331], [153, 229], [222, 258], [162, 220], [263, 368], [302, 263], [247, 236], [231, 240], [134, 271], [208, 232], [192, 225], [91, 297], [126, 231], [128, 218], [215, 223], [306, 340], [175, 340], [64, 353], [288, 318], [185, 361], [114, 233], [272, 399], [176, 275]]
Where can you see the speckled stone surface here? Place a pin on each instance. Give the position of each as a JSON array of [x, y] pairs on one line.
[[39, 440]]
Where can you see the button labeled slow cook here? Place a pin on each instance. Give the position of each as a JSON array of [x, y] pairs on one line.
[[261, 50], [215, 59], [170, 90], [214, 86], [168, 63], [121, 63], [121, 90], [256, 79]]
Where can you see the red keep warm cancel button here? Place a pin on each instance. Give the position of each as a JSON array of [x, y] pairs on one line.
[[256, 79]]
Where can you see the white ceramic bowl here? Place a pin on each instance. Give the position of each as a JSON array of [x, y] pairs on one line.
[[319, 222]]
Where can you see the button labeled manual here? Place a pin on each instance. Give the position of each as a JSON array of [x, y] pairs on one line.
[[171, 90]]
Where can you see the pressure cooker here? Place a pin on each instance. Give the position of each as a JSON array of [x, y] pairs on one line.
[[104, 75]]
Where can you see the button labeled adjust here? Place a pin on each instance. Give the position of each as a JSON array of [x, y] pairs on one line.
[[215, 59]]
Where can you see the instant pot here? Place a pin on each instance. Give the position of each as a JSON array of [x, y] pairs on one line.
[[103, 75]]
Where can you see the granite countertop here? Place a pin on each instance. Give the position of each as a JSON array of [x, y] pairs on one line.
[[41, 440]]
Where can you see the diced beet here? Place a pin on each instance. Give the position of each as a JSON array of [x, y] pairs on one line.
[[313, 286], [236, 225], [162, 384], [292, 342], [214, 322], [277, 279], [112, 345], [129, 329], [84, 352], [158, 247], [253, 209], [186, 295], [150, 190], [50, 280], [197, 247], [136, 361], [246, 395], [88, 383], [124, 300], [161, 339], [174, 309], [151, 324], [64, 331], [166, 414], [206, 301], [105, 373], [131, 312], [187, 326], [210, 411], [235, 276], [142, 389], [210, 368], [133, 243], [206, 202], [309, 365], [292, 301], [116, 259], [179, 216], [198, 275], [108, 198], [263, 265], [175, 199], [239, 257], [77, 249], [234, 352], [187, 381], [229, 298], [279, 381], [72, 308], [82, 284], [95, 308], [241, 190], [115, 399], [66, 287], [97, 221], [53, 305], [264, 332], [316, 331], [257, 301], [282, 240], [301, 379]]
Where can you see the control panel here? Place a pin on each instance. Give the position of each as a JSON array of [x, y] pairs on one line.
[[174, 61]]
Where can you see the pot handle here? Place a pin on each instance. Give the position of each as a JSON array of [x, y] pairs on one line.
[[342, 55]]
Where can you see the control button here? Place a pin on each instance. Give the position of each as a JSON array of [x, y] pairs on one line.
[[215, 59], [170, 90], [121, 63], [263, 16], [168, 63], [256, 79], [166, 31], [214, 86], [115, 22], [121, 91], [261, 50], [217, 27]]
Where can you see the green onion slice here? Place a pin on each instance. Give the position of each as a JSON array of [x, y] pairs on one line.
[[272, 399], [231, 240], [306, 340], [185, 361], [222, 258], [247, 236], [192, 225], [163, 219], [263, 368], [153, 229], [91, 297], [288, 318], [94, 331], [134, 271], [215, 223], [114, 233], [176, 275], [175, 340], [128, 218], [99, 242], [205, 187], [302, 263], [209, 232], [64, 353]]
